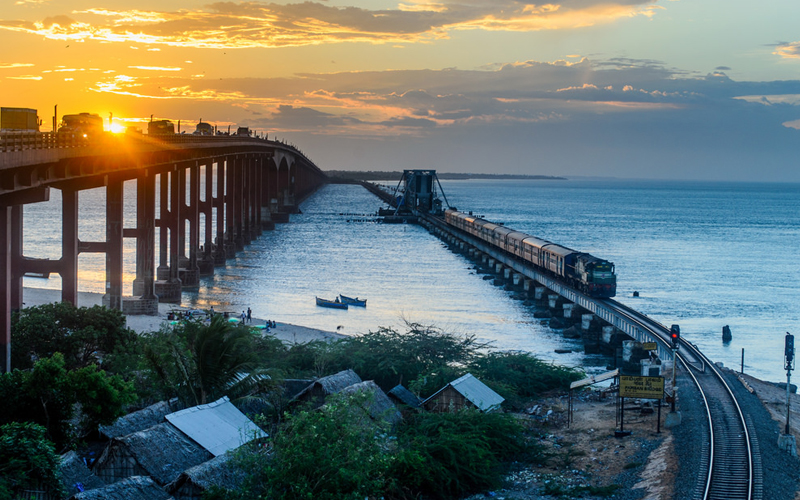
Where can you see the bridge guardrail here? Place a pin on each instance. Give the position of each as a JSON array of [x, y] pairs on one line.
[[11, 141]]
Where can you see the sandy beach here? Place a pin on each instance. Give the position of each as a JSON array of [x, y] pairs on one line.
[[288, 333]]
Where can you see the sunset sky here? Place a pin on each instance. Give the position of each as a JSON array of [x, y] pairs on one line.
[[681, 89]]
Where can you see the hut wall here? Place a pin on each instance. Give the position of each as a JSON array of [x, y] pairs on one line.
[[448, 400], [117, 463], [188, 491]]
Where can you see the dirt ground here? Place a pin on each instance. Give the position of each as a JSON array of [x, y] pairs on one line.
[[588, 454]]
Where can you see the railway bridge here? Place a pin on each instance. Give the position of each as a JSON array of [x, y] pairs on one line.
[[226, 188], [730, 463]]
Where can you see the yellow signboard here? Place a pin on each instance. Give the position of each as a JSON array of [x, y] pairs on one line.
[[641, 387], [649, 346]]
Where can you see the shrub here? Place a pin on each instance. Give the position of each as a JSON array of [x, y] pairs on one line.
[[389, 357], [332, 453], [448, 455], [521, 375]]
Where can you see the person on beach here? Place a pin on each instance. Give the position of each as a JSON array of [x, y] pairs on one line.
[[249, 315], [244, 317]]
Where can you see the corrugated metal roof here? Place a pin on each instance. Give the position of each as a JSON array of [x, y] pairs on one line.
[[477, 392], [217, 427]]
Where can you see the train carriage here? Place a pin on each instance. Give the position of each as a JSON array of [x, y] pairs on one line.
[[583, 271]]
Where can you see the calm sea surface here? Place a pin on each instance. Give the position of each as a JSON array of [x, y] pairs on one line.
[[702, 255]]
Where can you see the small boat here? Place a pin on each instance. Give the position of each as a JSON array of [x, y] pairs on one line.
[[353, 301], [335, 304]]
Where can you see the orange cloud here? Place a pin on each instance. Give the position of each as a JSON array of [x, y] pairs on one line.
[[251, 24], [788, 50]]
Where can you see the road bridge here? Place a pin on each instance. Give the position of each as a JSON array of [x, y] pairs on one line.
[[227, 188]]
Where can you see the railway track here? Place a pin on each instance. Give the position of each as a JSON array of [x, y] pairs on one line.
[[731, 467]]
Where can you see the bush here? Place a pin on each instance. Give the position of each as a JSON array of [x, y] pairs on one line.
[[448, 455], [27, 460], [326, 454], [389, 357]]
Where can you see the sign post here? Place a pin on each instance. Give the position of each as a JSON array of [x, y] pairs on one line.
[[640, 388]]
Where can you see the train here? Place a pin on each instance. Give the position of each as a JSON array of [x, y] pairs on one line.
[[585, 272]]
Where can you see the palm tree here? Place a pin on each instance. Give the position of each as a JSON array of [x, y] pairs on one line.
[[209, 361]]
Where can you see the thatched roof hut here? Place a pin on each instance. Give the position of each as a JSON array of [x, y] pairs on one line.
[[466, 391], [403, 397], [131, 488], [220, 471], [377, 405], [325, 386], [140, 420], [161, 452], [294, 386], [76, 476], [218, 427]]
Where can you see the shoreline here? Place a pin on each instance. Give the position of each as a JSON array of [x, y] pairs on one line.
[[286, 332]]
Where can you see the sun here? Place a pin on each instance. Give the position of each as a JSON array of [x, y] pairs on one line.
[[116, 128]]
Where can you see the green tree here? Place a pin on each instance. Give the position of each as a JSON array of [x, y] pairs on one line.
[[49, 393], [27, 460], [202, 362], [83, 335]]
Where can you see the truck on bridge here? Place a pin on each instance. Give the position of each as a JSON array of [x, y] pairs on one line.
[[82, 125], [19, 119]]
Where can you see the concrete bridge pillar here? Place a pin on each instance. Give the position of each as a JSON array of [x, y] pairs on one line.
[[498, 268], [237, 204], [168, 287], [507, 274], [206, 258], [16, 272], [68, 266], [552, 299], [230, 210], [586, 321], [114, 237], [491, 262], [607, 334], [567, 306], [516, 279], [164, 228], [5, 293], [190, 276], [219, 208], [147, 301]]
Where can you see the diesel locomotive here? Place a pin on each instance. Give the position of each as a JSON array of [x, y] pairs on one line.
[[587, 273]]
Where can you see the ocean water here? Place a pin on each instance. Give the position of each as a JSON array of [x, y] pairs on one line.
[[702, 255]]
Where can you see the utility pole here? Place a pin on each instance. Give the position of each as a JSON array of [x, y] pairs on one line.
[[786, 441]]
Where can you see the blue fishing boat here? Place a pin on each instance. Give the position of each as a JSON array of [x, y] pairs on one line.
[[335, 304], [353, 301]]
